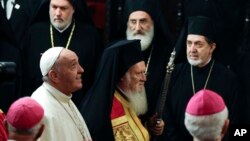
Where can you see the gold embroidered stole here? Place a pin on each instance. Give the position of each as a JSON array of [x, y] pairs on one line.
[[128, 126]]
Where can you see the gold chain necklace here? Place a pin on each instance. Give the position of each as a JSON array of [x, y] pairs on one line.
[[69, 39], [149, 59], [192, 76]]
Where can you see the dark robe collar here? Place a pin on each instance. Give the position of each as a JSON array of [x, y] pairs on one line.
[[121, 92], [61, 39], [67, 31], [203, 69]]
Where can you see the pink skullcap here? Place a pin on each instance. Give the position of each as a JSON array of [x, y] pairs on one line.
[[205, 102], [25, 113]]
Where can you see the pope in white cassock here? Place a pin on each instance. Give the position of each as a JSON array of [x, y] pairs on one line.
[[61, 73]]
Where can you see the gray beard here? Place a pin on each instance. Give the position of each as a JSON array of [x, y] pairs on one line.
[[138, 101], [196, 62], [61, 27], [145, 39]]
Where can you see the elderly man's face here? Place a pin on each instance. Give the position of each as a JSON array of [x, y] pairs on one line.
[[69, 72], [61, 13], [140, 26], [134, 88], [198, 50], [135, 78]]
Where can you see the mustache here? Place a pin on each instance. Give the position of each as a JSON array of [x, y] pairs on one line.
[[139, 33], [58, 19]]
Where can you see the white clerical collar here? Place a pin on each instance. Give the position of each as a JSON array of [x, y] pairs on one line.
[[56, 93], [66, 27]]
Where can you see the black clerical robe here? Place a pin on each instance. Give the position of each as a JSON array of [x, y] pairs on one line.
[[242, 69], [84, 42], [158, 53], [229, 17], [9, 52], [221, 80], [22, 15]]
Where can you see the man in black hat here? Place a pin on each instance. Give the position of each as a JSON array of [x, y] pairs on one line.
[[200, 72], [62, 26], [118, 96], [229, 23], [144, 21]]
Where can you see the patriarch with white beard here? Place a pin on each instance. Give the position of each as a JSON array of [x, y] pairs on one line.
[[132, 86], [140, 26], [146, 37], [138, 101], [137, 98]]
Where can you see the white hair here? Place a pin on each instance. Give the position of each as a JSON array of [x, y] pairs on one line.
[[138, 101], [196, 62], [32, 131], [146, 39], [208, 127]]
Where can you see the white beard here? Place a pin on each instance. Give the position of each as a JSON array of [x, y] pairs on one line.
[[194, 62], [138, 101], [197, 62], [146, 39]]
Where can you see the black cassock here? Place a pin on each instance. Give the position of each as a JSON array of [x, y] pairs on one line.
[[9, 52], [84, 42], [221, 80]]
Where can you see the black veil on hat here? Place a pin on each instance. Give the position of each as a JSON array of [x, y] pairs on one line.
[[81, 11], [97, 105], [199, 25]]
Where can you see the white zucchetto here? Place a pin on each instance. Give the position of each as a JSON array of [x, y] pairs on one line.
[[49, 58]]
